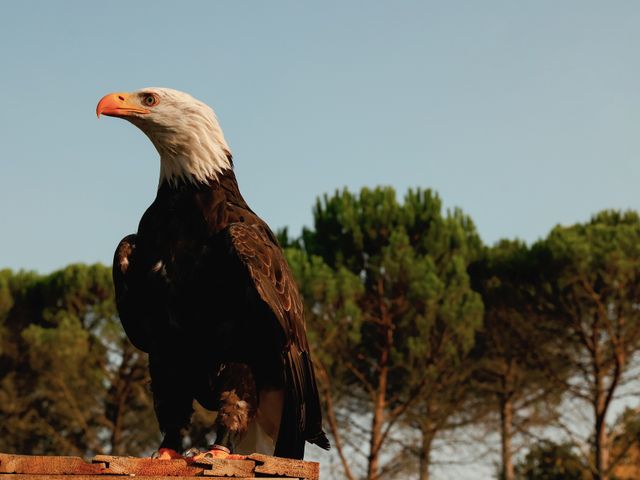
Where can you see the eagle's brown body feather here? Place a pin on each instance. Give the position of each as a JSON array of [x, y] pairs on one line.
[[204, 284]]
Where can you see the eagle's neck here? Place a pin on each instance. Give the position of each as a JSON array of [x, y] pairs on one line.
[[193, 150], [199, 167]]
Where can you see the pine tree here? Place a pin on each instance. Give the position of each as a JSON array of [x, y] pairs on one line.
[[593, 272], [394, 315], [70, 381], [514, 349]]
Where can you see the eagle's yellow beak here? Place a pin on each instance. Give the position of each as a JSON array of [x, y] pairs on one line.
[[119, 105]]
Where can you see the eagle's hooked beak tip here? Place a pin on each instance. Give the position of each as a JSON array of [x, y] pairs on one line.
[[107, 105], [119, 105]]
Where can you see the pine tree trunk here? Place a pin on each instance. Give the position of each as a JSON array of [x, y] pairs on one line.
[[601, 447], [600, 411], [425, 455], [380, 403], [603, 397], [506, 433], [376, 430], [601, 453]]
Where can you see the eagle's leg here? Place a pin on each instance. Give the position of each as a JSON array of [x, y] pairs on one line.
[[173, 403], [237, 406]]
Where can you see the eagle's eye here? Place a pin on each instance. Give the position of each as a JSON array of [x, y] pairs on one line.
[[150, 100]]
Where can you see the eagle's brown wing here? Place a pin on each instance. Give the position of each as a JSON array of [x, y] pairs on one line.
[[136, 295], [128, 295], [259, 252]]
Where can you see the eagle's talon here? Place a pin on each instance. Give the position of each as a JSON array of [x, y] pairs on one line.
[[192, 452], [166, 454], [234, 456], [219, 453]]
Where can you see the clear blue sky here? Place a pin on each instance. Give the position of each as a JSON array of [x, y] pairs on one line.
[[525, 115]]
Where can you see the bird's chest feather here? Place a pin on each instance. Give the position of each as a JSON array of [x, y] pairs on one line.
[[174, 234]]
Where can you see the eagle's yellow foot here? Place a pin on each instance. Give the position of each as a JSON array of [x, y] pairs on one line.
[[218, 451], [166, 454]]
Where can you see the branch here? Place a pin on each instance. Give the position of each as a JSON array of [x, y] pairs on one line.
[[333, 424]]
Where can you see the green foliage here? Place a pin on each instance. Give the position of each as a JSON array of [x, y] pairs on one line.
[[416, 328], [393, 312], [349, 226], [411, 261], [552, 461], [593, 274], [70, 382], [520, 374], [515, 348]]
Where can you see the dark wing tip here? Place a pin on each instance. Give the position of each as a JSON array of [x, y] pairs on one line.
[[320, 440]]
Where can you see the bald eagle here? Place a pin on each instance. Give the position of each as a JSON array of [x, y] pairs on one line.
[[203, 288]]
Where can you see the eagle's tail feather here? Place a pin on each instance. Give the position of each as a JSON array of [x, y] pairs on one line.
[[291, 441], [301, 415], [313, 421], [320, 440]]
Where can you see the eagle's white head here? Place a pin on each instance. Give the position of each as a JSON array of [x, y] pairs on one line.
[[184, 130]]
